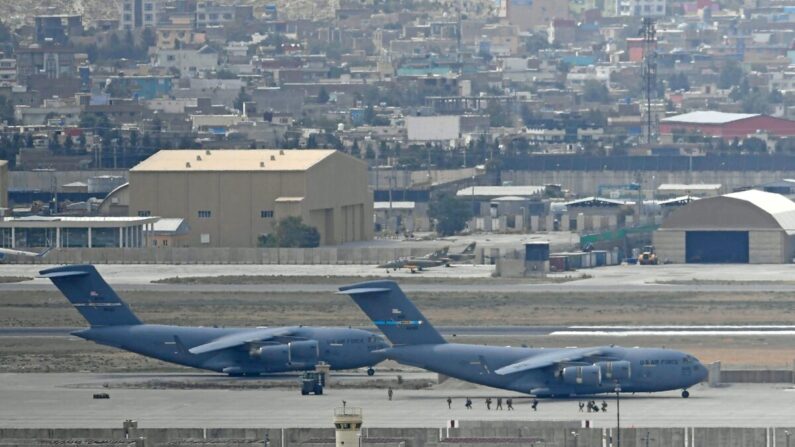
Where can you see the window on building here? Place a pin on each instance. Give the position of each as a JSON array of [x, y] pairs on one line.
[[148, 7], [154, 242], [205, 238], [266, 214], [144, 213], [128, 17], [128, 7], [202, 17], [165, 242], [205, 214], [148, 17]]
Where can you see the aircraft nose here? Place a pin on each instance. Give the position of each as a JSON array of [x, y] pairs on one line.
[[703, 372]]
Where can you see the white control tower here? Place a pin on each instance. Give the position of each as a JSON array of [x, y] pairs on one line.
[[347, 426]]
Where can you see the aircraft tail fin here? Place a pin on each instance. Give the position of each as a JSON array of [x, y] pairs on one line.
[[96, 301], [469, 249], [394, 314]]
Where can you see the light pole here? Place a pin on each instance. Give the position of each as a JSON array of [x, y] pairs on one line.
[[647, 438], [618, 416], [576, 438], [787, 434]]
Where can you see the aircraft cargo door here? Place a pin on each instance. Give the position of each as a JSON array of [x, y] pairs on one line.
[[716, 247]]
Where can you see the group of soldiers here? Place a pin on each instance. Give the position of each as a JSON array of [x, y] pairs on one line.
[[489, 401], [592, 407]]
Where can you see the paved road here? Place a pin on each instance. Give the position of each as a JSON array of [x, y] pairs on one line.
[[664, 278], [64, 400], [583, 287]]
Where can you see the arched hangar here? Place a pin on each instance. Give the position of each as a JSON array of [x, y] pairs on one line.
[[751, 226]]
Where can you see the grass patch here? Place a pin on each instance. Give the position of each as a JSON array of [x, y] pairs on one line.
[[11, 279]]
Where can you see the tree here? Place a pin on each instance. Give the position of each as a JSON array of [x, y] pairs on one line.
[[242, 97], [322, 96], [6, 110], [730, 75], [450, 214], [291, 232], [679, 81], [595, 91]]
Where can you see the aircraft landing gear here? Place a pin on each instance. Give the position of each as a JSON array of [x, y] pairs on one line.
[[370, 371], [685, 394]]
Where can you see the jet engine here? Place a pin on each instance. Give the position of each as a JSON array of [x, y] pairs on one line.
[[590, 375], [616, 371], [305, 352], [272, 354]]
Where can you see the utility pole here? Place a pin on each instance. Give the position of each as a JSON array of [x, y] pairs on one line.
[[618, 417], [649, 74]]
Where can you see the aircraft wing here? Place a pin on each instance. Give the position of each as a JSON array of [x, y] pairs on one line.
[[32, 254], [240, 339], [553, 357]]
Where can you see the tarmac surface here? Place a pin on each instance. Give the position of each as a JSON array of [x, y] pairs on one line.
[[65, 400], [736, 278]]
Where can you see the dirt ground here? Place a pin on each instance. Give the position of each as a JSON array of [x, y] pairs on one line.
[[48, 309]]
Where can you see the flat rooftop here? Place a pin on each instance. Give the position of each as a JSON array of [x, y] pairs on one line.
[[247, 160]]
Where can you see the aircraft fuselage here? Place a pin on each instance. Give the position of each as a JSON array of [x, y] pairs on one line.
[[340, 348]]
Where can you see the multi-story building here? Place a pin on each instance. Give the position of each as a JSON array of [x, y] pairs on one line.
[[139, 13], [534, 15], [52, 62], [8, 71], [58, 28], [209, 13], [640, 8]]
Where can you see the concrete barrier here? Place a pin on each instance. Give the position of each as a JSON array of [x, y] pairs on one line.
[[468, 434], [229, 255]]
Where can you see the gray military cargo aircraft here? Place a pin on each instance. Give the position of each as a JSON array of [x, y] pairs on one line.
[[234, 351], [540, 372]]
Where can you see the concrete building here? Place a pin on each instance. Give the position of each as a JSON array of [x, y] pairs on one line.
[[531, 15], [189, 61], [139, 13], [751, 226], [726, 125], [640, 8], [230, 198], [75, 232], [169, 232], [433, 128], [3, 184], [58, 28]]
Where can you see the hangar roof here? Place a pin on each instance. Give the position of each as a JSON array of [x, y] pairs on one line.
[[500, 191], [233, 160], [745, 210], [708, 117]]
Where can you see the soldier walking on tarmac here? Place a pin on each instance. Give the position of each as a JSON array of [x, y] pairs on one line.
[[499, 403], [389, 393], [449, 403]]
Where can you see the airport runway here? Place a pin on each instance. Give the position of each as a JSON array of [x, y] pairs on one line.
[[65, 400], [503, 331], [627, 278]]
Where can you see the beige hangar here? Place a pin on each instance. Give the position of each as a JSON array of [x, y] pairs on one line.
[[231, 197]]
